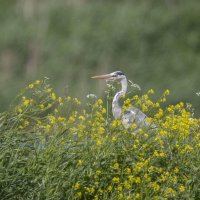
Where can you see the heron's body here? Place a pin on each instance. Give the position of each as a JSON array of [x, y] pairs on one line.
[[133, 114]]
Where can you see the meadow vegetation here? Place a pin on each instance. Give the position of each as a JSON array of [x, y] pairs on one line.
[[54, 147]]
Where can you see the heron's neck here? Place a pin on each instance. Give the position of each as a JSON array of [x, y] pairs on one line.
[[116, 107]]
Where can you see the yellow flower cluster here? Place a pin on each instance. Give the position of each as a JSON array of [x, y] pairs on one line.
[[114, 163]]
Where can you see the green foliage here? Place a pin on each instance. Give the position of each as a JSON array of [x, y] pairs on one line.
[[52, 148]]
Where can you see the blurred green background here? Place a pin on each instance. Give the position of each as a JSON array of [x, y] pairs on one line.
[[155, 42]]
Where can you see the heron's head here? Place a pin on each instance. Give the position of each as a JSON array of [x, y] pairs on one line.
[[114, 76]]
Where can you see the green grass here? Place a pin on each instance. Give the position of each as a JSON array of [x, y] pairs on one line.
[[56, 148]]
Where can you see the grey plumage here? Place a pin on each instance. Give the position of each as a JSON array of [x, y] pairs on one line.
[[133, 114]]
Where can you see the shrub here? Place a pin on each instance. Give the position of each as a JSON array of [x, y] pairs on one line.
[[55, 148]]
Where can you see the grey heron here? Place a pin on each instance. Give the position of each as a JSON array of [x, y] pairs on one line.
[[133, 114]]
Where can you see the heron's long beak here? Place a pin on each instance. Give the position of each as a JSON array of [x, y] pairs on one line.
[[105, 76]]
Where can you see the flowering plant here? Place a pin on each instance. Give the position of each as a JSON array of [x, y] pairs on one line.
[[55, 148]]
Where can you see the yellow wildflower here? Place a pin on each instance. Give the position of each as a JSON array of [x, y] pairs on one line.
[[20, 110], [96, 197], [159, 114], [120, 196], [26, 123], [98, 172], [119, 188], [137, 196], [48, 127], [96, 183], [52, 119], [49, 90], [101, 130], [77, 186], [155, 186], [138, 180], [82, 118], [109, 188], [31, 86], [115, 179], [79, 194], [80, 162], [167, 92], [76, 101], [100, 191], [169, 192], [71, 119], [49, 105], [131, 178], [98, 142], [182, 188], [103, 110], [60, 100], [114, 139], [61, 119], [157, 105], [128, 170], [151, 91], [156, 154], [53, 96], [151, 169], [41, 106], [68, 98], [26, 102], [37, 82], [134, 126], [176, 170], [116, 166]]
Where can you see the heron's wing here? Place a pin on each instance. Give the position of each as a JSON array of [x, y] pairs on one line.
[[128, 119], [134, 115]]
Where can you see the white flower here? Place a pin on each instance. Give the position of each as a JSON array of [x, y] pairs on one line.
[[92, 96]]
